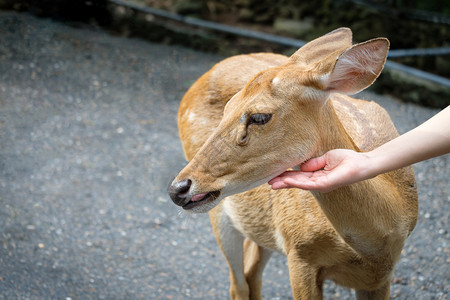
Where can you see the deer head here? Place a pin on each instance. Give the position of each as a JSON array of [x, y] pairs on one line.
[[277, 120]]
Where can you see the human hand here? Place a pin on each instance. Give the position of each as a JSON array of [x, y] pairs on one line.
[[334, 169]]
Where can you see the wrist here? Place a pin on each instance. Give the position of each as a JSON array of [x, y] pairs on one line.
[[371, 165]]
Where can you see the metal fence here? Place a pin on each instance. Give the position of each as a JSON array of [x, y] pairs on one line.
[[285, 41]]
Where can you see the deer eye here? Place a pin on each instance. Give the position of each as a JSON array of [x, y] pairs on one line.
[[259, 119]]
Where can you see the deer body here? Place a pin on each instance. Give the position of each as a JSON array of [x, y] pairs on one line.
[[253, 116]]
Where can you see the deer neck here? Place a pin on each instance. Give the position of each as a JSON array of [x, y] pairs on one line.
[[355, 210], [333, 133]]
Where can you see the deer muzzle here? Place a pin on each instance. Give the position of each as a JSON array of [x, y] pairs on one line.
[[181, 194]]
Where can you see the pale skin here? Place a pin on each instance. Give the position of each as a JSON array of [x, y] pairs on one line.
[[341, 167]]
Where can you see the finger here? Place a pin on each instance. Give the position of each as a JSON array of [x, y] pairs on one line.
[[305, 183], [298, 179], [314, 164], [276, 179], [278, 185], [283, 175], [302, 183], [280, 181]]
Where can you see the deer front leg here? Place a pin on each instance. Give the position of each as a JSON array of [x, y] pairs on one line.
[[255, 260], [305, 281], [231, 242]]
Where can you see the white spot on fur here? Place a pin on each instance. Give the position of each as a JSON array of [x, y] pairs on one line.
[[275, 81], [358, 127], [191, 117], [280, 241], [229, 210]]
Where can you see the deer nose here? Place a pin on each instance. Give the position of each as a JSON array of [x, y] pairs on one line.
[[179, 192]]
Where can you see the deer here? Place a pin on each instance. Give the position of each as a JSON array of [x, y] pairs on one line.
[[253, 116]]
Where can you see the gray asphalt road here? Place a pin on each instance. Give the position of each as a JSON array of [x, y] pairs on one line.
[[88, 145]]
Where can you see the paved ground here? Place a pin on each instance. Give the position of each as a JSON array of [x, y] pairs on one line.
[[88, 145]]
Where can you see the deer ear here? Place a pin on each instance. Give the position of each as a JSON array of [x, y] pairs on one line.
[[357, 67], [318, 49]]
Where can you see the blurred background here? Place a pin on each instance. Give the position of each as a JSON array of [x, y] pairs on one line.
[[89, 93], [421, 27]]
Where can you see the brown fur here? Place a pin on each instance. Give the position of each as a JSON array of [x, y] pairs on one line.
[[353, 235]]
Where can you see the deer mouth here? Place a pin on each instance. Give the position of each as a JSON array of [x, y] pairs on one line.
[[201, 199]]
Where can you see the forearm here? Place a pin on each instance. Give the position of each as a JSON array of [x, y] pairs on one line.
[[341, 167], [426, 141]]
